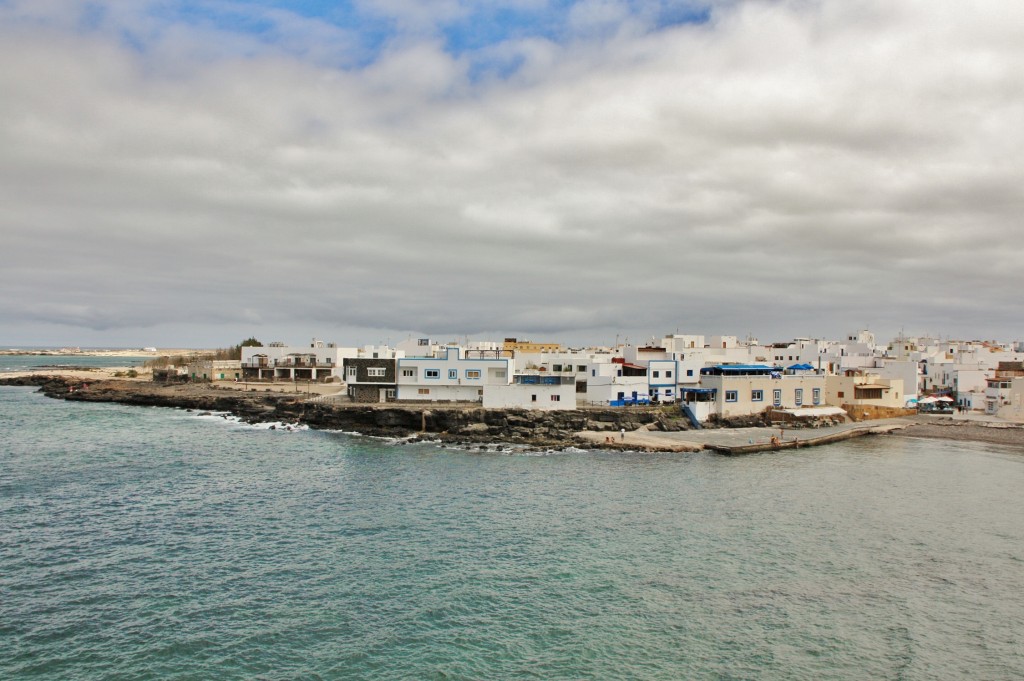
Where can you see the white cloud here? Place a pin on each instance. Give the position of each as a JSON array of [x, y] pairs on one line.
[[794, 167]]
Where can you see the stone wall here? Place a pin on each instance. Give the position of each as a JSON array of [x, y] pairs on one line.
[[860, 412], [365, 394]]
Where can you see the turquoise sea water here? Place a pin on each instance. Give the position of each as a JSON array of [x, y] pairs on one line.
[[157, 544]]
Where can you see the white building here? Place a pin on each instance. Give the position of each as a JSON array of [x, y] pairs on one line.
[[277, 361], [420, 347], [450, 377], [1012, 408], [742, 390], [662, 379], [532, 391], [679, 344], [863, 389], [618, 383]]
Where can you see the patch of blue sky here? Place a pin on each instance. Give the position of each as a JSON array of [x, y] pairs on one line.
[[675, 14], [492, 25], [91, 17], [235, 17], [481, 24], [261, 19], [469, 34], [132, 40]]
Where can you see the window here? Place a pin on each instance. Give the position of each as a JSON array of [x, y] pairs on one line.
[[581, 369], [453, 373], [389, 393], [499, 373], [731, 395], [472, 373], [816, 395], [756, 395], [656, 374], [408, 372], [533, 398], [689, 372], [799, 395], [556, 398], [842, 394], [350, 372], [424, 391], [668, 374], [375, 372], [777, 396], [556, 367], [432, 373]]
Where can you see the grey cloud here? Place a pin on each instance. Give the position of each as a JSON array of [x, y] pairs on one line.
[[788, 168]]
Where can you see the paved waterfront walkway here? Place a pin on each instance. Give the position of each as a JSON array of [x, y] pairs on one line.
[[761, 438]]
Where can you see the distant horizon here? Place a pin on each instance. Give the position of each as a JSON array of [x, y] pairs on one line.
[[450, 338]]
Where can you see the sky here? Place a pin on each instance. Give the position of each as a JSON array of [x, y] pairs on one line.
[[189, 174]]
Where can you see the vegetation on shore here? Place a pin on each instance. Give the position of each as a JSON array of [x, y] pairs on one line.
[[233, 352]]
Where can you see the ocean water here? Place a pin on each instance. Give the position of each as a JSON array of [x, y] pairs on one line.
[[160, 544], [10, 363]]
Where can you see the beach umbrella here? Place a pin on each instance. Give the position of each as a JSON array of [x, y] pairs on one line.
[[943, 399], [928, 400]]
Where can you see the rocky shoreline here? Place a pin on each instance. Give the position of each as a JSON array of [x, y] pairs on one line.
[[649, 429], [1011, 434], [456, 424]]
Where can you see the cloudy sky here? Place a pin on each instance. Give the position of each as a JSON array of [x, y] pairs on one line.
[[190, 173]]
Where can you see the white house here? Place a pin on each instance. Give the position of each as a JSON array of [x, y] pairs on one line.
[[533, 391], [1012, 408], [999, 394], [617, 383], [904, 370], [662, 379], [419, 347], [450, 377], [861, 388], [318, 362], [733, 390]]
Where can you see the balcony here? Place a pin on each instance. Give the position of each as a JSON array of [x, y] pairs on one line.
[[537, 379]]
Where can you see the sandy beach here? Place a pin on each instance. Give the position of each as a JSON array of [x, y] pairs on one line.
[[93, 352]]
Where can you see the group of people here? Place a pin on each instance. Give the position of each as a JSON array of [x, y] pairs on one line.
[[610, 439]]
